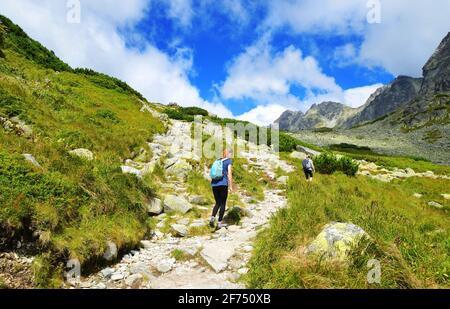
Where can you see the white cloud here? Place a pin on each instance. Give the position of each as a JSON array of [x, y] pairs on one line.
[[181, 10], [357, 97], [313, 16], [267, 78], [264, 114], [259, 73], [97, 44], [409, 31], [345, 55]]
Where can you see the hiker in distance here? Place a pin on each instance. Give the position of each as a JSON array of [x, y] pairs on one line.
[[222, 181], [308, 168]]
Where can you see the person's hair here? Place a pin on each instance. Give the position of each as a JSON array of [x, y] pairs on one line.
[[228, 152]]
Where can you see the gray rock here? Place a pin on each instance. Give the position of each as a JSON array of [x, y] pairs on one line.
[[117, 277], [178, 167], [179, 230], [111, 251], [283, 179], [417, 195], [178, 204], [134, 281], [83, 153], [435, 205], [446, 196], [217, 255], [164, 267], [131, 170], [336, 241], [298, 155], [107, 272], [155, 207], [32, 160], [198, 200]]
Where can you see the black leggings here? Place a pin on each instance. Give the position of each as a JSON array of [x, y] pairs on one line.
[[221, 196]]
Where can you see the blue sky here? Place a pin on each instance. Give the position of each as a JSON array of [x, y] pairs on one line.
[[240, 58]]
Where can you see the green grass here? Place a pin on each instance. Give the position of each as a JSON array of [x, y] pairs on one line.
[[410, 239], [417, 164], [74, 205]]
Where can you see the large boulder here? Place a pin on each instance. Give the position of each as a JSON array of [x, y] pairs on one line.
[[298, 155], [198, 200], [178, 167], [336, 241], [218, 254], [83, 154], [173, 203]]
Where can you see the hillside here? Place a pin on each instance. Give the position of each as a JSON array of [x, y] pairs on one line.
[[73, 205]]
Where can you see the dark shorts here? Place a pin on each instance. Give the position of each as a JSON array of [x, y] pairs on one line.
[[308, 173]]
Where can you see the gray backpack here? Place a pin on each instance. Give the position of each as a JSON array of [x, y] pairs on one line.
[[307, 165]]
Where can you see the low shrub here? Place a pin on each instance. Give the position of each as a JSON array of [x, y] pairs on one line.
[[328, 163], [348, 166]]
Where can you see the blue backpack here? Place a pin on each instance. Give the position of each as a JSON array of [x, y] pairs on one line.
[[216, 172]]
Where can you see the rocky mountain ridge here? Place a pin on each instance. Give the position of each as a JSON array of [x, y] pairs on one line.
[[405, 95]]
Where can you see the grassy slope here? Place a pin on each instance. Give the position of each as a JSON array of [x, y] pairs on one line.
[[75, 206], [411, 239]]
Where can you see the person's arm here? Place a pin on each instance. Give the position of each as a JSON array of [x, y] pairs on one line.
[[314, 167], [230, 178]]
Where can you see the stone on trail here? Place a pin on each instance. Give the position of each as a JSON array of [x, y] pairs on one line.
[[107, 272], [336, 240], [179, 230], [155, 207], [134, 281], [217, 254], [198, 200], [417, 195], [83, 153], [173, 203], [164, 267]]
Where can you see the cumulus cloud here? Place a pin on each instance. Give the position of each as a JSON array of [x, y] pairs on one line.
[[263, 115], [268, 78], [96, 43], [357, 97], [409, 31], [260, 73]]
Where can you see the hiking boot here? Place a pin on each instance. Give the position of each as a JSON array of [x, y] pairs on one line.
[[212, 222], [222, 225]]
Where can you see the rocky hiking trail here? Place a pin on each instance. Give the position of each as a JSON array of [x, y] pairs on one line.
[[216, 260]]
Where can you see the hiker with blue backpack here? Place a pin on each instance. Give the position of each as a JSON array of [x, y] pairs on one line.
[[308, 168], [221, 182]]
